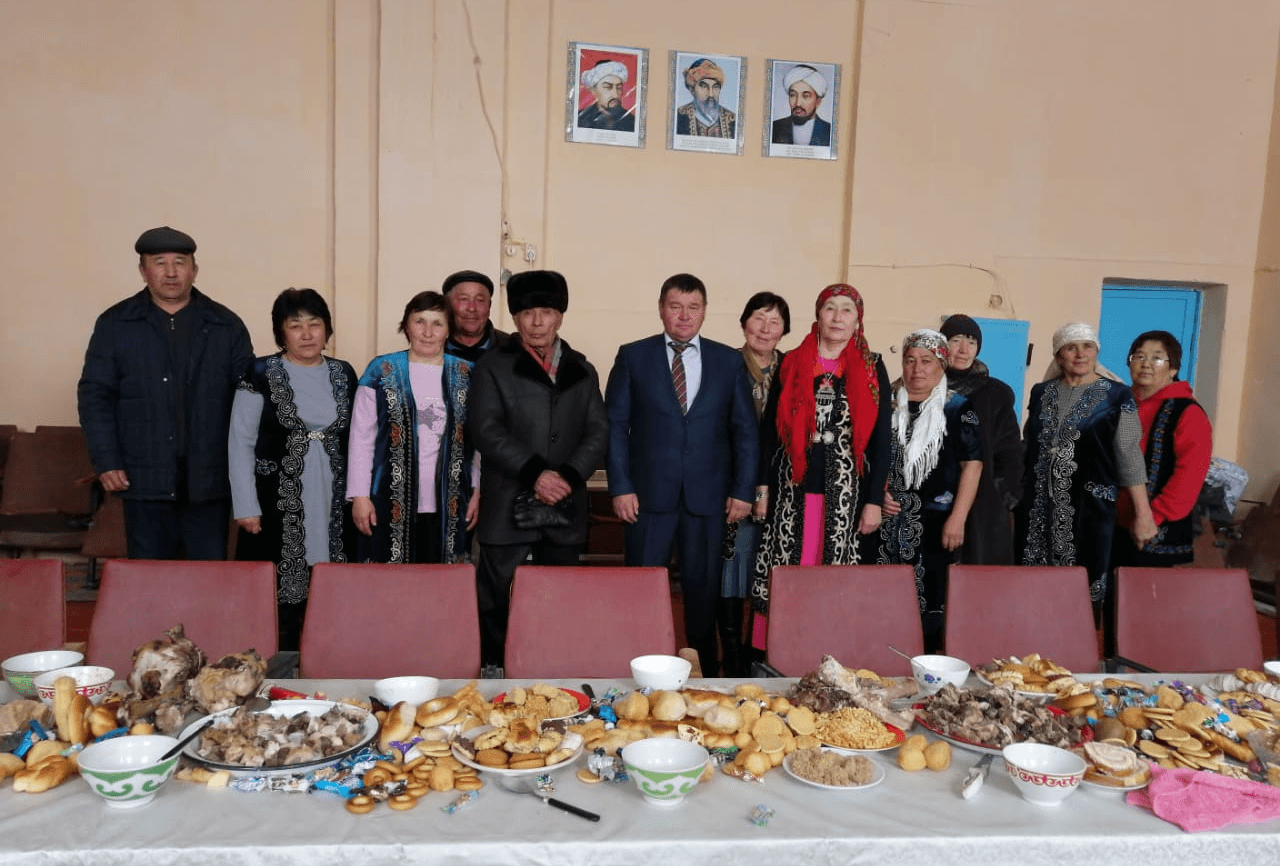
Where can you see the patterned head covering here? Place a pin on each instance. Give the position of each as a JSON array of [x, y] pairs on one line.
[[1075, 332], [809, 76], [797, 405], [604, 68], [700, 69], [927, 338]]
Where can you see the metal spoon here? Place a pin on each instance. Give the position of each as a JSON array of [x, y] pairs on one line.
[[898, 651], [525, 785]]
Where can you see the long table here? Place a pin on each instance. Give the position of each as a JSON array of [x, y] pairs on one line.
[[910, 818]]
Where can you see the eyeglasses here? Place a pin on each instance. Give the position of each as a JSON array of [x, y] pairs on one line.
[[1143, 359]]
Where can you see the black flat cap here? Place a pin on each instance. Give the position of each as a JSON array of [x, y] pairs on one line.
[[164, 240], [466, 277], [529, 289]]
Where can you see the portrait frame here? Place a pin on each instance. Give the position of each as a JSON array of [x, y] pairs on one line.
[[777, 112], [584, 122], [732, 98]]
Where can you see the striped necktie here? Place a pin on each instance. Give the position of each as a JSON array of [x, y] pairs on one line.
[[677, 373]]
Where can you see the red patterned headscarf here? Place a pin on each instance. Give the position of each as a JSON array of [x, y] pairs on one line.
[[797, 407]]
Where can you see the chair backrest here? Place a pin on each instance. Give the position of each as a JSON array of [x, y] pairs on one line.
[[849, 612], [33, 610], [374, 620], [224, 607], [47, 472], [1187, 619], [997, 611], [571, 621]]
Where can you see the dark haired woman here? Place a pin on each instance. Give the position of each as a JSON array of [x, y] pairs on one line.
[[413, 469], [1177, 444], [287, 454], [765, 320]]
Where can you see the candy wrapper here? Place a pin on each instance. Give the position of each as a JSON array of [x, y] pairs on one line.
[[760, 815], [460, 801], [742, 773], [608, 767], [248, 784]]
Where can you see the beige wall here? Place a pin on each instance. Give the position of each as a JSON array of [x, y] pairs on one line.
[[1024, 148]]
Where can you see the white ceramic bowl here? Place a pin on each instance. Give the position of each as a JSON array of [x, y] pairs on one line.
[[934, 672], [664, 769], [660, 673], [22, 670], [1044, 775], [411, 690], [1272, 668], [127, 771], [92, 681]]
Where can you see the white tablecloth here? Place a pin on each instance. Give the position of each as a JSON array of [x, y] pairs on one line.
[[910, 818]]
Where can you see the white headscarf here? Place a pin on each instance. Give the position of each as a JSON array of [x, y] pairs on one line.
[[1075, 332], [920, 454]]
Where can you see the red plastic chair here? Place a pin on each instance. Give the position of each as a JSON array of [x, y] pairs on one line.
[[33, 610], [997, 611], [850, 612], [578, 621], [373, 620], [1187, 619], [224, 607]]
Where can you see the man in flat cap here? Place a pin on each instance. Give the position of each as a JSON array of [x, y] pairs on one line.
[[155, 404], [705, 116], [471, 332], [805, 88], [538, 421], [606, 81]]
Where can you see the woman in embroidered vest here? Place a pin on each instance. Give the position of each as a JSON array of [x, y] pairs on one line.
[[287, 454], [1177, 443], [765, 320], [1082, 437], [824, 448], [934, 469], [413, 469], [988, 536]]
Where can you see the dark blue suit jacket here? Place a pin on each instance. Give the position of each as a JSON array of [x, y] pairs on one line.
[[656, 452], [821, 132]]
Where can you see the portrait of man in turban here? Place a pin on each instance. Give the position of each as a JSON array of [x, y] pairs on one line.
[[705, 115], [805, 87], [606, 81]]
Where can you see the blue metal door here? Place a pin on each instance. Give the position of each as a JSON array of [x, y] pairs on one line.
[[1004, 351], [1127, 311]]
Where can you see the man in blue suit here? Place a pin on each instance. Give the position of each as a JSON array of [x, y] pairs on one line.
[[683, 449]]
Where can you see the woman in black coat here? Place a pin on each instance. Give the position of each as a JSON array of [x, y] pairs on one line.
[[539, 423], [989, 529]]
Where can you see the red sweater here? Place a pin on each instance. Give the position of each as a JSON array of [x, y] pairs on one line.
[[1192, 448]]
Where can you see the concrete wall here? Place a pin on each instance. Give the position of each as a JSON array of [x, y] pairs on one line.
[[1026, 149]]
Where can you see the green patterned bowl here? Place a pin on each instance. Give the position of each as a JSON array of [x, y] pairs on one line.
[[664, 769], [22, 670], [127, 771]]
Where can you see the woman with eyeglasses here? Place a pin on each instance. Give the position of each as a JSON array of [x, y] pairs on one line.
[[1082, 437], [1177, 443]]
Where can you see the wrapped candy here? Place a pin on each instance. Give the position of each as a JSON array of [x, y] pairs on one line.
[[760, 815], [459, 801]]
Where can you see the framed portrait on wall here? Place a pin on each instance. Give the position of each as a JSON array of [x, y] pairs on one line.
[[605, 102], [801, 101], [706, 102]]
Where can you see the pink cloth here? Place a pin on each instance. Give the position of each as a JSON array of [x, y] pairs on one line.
[[814, 514], [1196, 800], [810, 554]]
